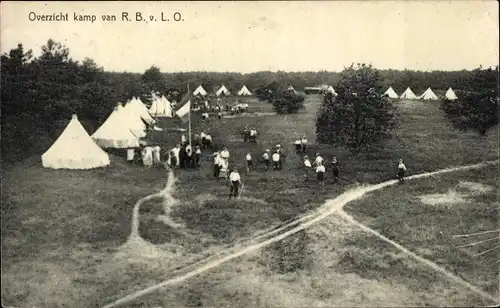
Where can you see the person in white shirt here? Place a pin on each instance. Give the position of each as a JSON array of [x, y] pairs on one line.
[[183, 139], [253, 135], [189, 156], [401, 171], [235, 182], [225, 154], [207, 144], [265, 159], [203, 137], [320, 173], [307, 167], [204, 116], [156, 155], [219, 115], [279, 150], [318, 160], [249, 161], [197, 156], [130, 154], [276, 160], [217, 165], [304, 143]]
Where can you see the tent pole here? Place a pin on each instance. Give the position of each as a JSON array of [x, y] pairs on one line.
[[189, 119]]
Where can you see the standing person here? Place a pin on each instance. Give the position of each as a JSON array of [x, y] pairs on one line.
[[307, 167], [157, 155], [276, 160], [182, 157], [318, 160], [208, 141], [189, 156], [249, 161], [217, 165], [279, 150], [298, 146], [235, 182], [147, 156], [246, 134], [303, 141], [203, 137], [130, 154], [401, 171], [253, 135], [183, 139], [173, 159], [320, 173], [219, 115], [335, 169], [265, 159], [197, 156], [225, 155]]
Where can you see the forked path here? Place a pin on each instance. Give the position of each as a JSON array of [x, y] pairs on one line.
[[328, 208]]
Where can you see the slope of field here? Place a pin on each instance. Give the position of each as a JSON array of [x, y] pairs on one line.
[[62, 231], [429, 213]]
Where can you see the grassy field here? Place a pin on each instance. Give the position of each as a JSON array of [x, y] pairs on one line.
[[63, 231], [428, 213]]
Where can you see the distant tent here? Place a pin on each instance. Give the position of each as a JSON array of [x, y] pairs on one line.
[[74, 149], [115, 133], [428, 95], [290, 88], [408, 94], [200, 91], [223, 90], [134, 121], [161, 107], [391, 93], [450, 94], [138, 108], [244, 91], [330, 89]]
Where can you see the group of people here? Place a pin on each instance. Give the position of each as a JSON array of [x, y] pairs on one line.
[[301, 145], [319, 164], [249, 135], [148, 155]]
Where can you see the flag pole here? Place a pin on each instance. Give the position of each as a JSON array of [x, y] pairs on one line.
[[189, 132]]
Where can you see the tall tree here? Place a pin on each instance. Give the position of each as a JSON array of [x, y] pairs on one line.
[[477, 104], [359, 115]]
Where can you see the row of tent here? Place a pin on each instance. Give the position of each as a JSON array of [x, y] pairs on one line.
[[427, 95], [76, 149], [200, 91]]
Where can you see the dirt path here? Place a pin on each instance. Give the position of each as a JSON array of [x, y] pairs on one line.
[[328, 208]]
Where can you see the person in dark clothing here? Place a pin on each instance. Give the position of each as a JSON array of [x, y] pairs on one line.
[[197, 156], [182, 157], [246, 134], [173, 160], [335, 169]]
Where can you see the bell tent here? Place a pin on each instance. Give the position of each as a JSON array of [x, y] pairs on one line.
[[115, 133], [290, 88], [391, 93], [330, 89], [75, 149], [408, 94], [428, 95], [138, 108], [200, 91], [450, 94], [223, 90], [244, 91]]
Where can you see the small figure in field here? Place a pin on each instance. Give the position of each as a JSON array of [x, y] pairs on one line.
[[304, 144], [217, 165], [156, 155], [235, 182], [307, 167], [246, 134], [219, 115], [265, 159], [320, 174], [335, 169], [318, 160], [401, 171], [197, 156], [279, 150], [276, 160], [253, 135], [298, 146], [249, 161]]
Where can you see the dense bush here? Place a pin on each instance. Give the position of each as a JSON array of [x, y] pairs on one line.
[[286, 102]]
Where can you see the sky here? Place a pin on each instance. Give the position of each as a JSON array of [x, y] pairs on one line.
[[255, 36]]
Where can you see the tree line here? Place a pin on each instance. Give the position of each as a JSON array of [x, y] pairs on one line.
[[39, 94]]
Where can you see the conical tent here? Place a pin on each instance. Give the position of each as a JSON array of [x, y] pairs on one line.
[[115, 133], [134, 120], [450, 94], [156, 106], [168, 107], [140, 109], [244, 91], [223, 90], [200, 91], [428, 95], [162, 108], [408, 94], [74, 149], [290, 88], [391, 93]]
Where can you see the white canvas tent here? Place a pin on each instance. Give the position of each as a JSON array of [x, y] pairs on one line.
[[200, 91], [138, 108], [161, 107], [74, 149], [223, 90], [244, 91], [331, 90], [290, 88], [428, 95], [408, 94], [391, 93], [450, 94], [115, 133]]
